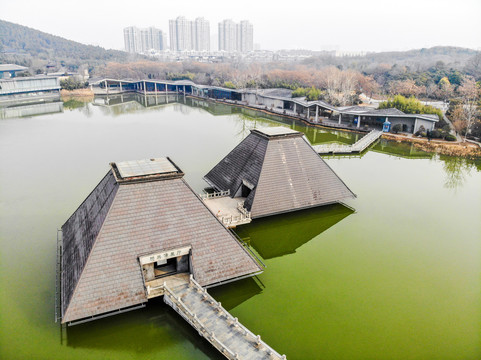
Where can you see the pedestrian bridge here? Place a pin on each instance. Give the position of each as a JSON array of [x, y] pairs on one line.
[[214, 323], [357, 147]]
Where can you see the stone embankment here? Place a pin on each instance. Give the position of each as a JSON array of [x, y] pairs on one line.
[[463, 149]]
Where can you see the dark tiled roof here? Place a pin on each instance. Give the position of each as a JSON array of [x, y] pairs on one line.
[[286, 172], [295, 177], [242, 163], [429, 116], [144, 217], [81, 230], [356, 108], [368, 111], [392, 111], [278, 92]]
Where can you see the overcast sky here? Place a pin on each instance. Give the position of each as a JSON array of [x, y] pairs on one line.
[[371, 25]]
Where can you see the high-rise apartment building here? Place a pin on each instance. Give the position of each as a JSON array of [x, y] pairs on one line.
[[228, 36], [245, 41], [236, 37], [189, 35], [142, 40], [132, 39], [201, 34]]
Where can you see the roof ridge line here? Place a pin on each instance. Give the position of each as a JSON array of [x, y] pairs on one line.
[[308, 143], [90, 253], [90, 193]]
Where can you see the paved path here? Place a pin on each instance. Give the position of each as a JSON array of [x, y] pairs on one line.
[[215, 323]]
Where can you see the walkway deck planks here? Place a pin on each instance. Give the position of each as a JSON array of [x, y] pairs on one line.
[[215, 323]]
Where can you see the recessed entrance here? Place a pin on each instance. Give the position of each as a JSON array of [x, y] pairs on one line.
[[165, 267], [245, 191], [161, 266]]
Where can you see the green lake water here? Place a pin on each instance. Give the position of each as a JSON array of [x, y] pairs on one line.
[[398, 277]]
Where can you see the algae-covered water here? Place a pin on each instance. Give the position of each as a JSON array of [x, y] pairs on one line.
[[398, 277]]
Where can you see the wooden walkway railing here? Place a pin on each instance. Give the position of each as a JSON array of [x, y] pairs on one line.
[[216, 324], [358, 147]]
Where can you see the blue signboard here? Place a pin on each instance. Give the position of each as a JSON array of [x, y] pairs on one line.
[[386, 127]]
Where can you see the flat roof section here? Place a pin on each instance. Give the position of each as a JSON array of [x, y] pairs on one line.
[[226, 209], [145, 167], [276, 131], [12, 67]]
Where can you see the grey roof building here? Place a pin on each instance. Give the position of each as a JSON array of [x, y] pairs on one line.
[[275, 170], [141, 222]]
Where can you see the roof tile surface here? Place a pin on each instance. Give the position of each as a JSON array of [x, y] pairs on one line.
[[148, 217], [286, 172]]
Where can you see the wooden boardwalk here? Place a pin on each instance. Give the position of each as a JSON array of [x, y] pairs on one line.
[[358, 147], [215, 323]]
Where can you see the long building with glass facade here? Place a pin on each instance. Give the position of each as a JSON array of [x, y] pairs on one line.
[[31, 89]]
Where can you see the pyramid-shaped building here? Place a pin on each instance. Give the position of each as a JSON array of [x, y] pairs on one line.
[[276, 170], [141, 223]]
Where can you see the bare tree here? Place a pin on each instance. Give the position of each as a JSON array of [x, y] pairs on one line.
[[405, 87], [473, 66], [470, 94], [458, 120]]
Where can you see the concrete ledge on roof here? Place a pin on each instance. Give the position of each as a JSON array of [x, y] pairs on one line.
[[277, 131]]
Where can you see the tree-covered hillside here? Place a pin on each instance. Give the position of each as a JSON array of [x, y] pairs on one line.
[[25, 46]]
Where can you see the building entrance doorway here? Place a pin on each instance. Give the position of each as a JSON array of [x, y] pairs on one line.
[[165, 263], [165, 267]]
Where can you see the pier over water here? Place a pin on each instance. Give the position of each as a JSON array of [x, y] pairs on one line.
[[357, 148], [214, 323]]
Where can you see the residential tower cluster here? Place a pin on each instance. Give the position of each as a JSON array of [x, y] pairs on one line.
[[191, 35], [137, 40]]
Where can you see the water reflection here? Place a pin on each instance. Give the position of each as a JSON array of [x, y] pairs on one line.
[[400, 149], [153, 329], [457, 170], [283, 234], [133, 102], [31, 110], [233, 294]]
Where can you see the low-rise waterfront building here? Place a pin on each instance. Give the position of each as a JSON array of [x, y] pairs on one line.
[[275, 170], [11, 70], [280, 101], [31, 89], [140, 226]]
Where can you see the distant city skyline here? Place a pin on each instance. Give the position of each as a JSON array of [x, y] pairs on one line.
[[187, 35], [372, 25]]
